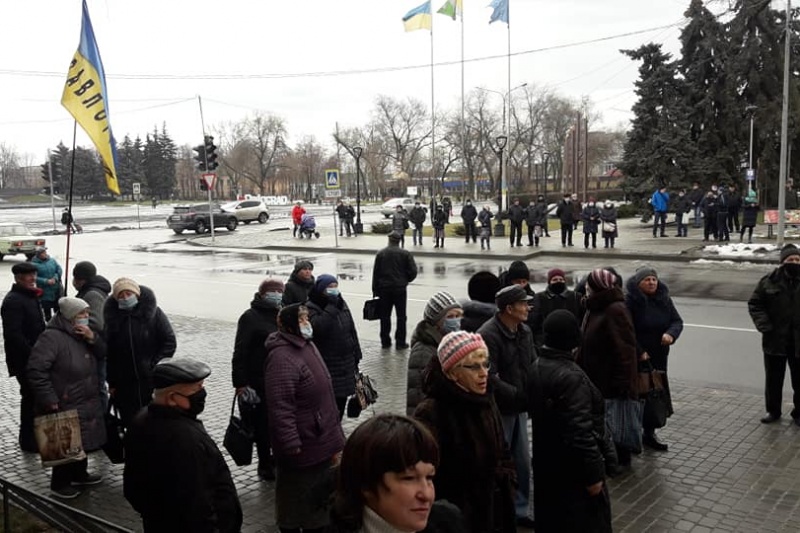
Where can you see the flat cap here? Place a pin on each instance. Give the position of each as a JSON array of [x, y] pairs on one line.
[[510, 295], [177, 370], [23, 268]]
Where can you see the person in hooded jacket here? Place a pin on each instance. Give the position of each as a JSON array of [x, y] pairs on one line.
[[480, 308], [591, 221], [476, 472], [305, 432], [300, 283], [658, 325], [335, 337], [608, 224], [94, 290], [442, 315], [555, 296], [48, 279], [536, 217], [62, 372], [138, 335], [247, 365], [468, 216]]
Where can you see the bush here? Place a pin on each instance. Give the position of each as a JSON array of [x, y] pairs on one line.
[[382, 228], [458, 229], [627, 211]]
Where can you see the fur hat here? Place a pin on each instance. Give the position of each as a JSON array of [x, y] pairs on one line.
[[125, 284], [553, 272], [271, 285], [84, 270], [518, 270], [561, 330], [483, 286], [646, 271], [70, 307], [438, 306], [456, 346], [788, 251]]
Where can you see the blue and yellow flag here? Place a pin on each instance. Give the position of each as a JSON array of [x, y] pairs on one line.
[[500, 11], [418, 18], [86, 99]]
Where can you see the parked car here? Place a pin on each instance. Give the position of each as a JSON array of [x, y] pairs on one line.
[[389, 208], [196, 217], [16, 238], [248, 211]]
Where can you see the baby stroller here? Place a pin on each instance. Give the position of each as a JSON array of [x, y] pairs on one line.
[[308, 227]]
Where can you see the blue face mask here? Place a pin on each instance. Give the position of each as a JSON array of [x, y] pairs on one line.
[[331, 291], [81, 321], [128, 303], [451, 324], [273, 297], [307, 331]]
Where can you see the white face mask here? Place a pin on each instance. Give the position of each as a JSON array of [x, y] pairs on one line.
[[307, 331], [82, 321]]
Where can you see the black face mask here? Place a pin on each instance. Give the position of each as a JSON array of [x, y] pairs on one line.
[[197, 402], [557, 287], [792, 269]]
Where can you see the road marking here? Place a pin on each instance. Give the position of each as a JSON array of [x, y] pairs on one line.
[[725, 328]]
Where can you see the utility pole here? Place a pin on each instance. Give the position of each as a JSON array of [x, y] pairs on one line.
[[784, 130]]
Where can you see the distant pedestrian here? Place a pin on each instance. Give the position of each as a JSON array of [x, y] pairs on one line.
[[566, 217], [62, 372], [709, 208], [68, 221], [480, 308], [349, 216], [94, 290], [515, 216], [608, 224], [400, 224], [723, 208], [773, 309], [48, 278], [341, 212], [682, 207], [591, 223], [734, 206], [175, 476], [577, 208], [417, 217], [22, 324], [750, 215], [556, 296], [659, 201], [439, 221], [257, 323], [154, 202], [447, 208], [138, 335], [536, 218], [696, 196], [393, 270], [300, 283], [297, 217], [468, 216], [485, 218]]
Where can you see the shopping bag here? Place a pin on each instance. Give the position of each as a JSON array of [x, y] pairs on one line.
[[537, 230], [114, 448], [624, 418], [365, 391], [58, 436], [371, 309], [655, 396], [609, 227], [239, 439]]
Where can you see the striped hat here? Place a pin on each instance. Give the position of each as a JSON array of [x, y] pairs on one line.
[[456, 346], [438, 306], [600, 279]]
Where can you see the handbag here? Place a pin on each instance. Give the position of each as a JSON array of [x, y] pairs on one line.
[[58, 437], [609, 227], [655, 396], [371, 309], [114, 448], [624, 418], [365, 391], [239, 438]]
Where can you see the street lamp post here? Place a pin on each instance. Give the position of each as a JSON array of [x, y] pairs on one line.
[[499, 228], [544, 172], [358, 227], [750, 109]]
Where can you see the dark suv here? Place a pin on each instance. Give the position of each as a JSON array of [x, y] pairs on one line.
[[196, 217]]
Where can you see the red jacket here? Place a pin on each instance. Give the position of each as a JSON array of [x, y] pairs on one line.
[[297, 213]]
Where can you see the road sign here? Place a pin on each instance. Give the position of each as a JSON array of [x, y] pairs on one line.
[[411, 190], [137, 189], [332, 178], [751, 174], [333, 193], [210, 180]]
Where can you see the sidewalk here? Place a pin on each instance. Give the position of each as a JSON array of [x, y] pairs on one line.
[[724, 472]]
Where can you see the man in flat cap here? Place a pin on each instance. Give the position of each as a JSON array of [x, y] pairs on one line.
[[22, 324], [175, 476], [393, 270]]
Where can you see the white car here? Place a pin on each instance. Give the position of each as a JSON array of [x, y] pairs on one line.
[[390, 207], [248, 211], [16, 238]]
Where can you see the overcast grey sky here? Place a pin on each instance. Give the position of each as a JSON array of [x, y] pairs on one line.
[[153, 50]]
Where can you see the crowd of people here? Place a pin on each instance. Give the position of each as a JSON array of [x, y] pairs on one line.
[[482, 371]]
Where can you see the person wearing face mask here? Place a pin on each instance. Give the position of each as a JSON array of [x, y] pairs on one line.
[[300, 283], [62, 372], [417, 216], [138, 335], [556, 296], [468, 216], [175, 476], [536, 218], [476, 472], [252, 330], [608, 224], [442, 315], [591, 222], [773, 308], [566, 216], [305, 432], [335, 337]]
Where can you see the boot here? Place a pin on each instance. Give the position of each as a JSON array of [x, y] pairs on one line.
[[651, 441]]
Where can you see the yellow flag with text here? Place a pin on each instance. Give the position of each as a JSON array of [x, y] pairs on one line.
[[86, 99]]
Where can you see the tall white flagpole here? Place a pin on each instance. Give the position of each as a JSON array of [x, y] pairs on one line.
[[433, 119], [507, 125]]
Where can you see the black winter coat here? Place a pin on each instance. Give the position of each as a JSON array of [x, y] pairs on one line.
[[439, 219], [511, 353], [23, 322], [609, 214], [515, 214], [417, 215], [775, 310], [591, 219], [546, 302], [176, 477], [475, 471], [297, 290], [249, 353], [652, 317], [469, 214], [565, 213], [682, 204], [485, 217], [394, 269], [734, 200], [424, 343], [750, 215], [536, 214], [709, 206], [476, 314], [336, 339], [696, 196]]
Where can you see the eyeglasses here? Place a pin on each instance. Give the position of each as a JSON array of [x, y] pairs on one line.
[[486, 365]]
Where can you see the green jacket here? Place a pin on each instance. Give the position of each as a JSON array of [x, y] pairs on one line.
[[46, 270], [775, 310]]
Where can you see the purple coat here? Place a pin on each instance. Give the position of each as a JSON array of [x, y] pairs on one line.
[[300, 402]]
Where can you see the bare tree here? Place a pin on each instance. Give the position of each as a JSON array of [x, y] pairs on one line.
[[404, 129], [9, 166]]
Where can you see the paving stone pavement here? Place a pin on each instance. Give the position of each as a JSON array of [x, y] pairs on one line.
[[724, 472]]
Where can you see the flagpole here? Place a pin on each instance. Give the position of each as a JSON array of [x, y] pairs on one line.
[[69, 205], [507, 125], [433, 118]]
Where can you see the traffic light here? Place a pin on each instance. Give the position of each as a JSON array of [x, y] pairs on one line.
[[203, 184], [200, 157], [211, 153]]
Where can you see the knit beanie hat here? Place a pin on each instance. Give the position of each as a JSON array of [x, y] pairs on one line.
[[70, 307], [300, 265], [561, 330], [518, 270], [788, 251], [483, 286], [553, 272], [84, 270], [646, 271], [438, 306], [271, 285], [323, 281], [456, 346], [125, 284], [600, 280]]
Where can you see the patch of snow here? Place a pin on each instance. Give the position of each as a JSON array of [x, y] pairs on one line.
[[739, 249]]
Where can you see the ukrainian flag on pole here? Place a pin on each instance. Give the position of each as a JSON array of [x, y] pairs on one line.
[[86, 99], [418, 18]]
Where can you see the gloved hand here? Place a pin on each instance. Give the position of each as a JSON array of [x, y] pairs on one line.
[[249, 396]]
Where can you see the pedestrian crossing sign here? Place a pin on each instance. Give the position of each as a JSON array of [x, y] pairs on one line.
[[332, 178]]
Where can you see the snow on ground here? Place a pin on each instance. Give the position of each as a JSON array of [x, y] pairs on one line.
[[739, 249], [743, 265]]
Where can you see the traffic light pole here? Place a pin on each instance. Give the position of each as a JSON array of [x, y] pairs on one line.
[[205, 154]]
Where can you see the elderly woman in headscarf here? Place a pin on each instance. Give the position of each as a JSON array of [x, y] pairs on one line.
[[335, 337], [658, 325], [304, 423]]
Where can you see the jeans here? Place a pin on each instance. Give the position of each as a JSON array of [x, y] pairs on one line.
[[397, 299], [682, 230], [697, 215], [515, 430], [775, 369], [417, 233], [722, 226], [660, 222]]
